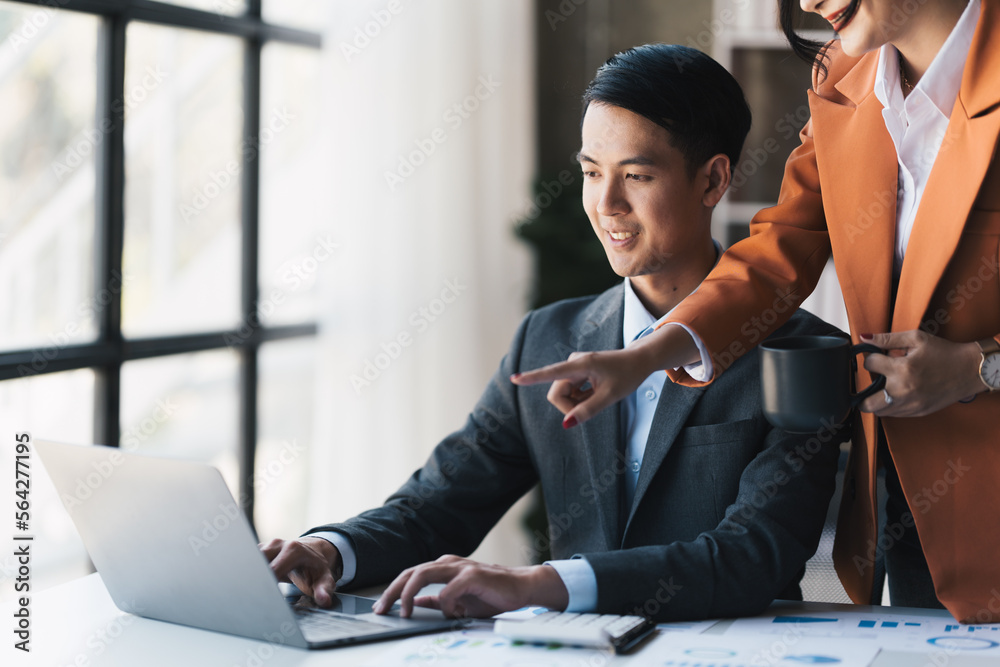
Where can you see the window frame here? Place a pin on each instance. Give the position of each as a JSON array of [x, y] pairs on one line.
[[111, 349]]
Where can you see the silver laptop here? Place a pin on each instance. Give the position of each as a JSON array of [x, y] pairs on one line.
[[171, 544]]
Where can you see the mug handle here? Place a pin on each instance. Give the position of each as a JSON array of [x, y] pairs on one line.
[[878, 381]]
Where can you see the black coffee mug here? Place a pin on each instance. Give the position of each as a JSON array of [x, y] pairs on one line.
[[806, 381]]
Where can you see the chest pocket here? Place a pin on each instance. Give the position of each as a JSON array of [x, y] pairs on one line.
[[717, 434]]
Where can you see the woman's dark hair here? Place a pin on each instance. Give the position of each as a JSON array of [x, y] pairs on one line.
[[682, 90], [810, 51]]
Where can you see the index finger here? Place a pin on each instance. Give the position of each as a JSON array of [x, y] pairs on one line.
[[392, 591], [407, 585], [271, 549], [564, 370]]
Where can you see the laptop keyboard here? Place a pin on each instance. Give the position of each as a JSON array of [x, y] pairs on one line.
[[318, 625]]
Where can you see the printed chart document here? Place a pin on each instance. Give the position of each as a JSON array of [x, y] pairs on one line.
[[681, 650], [933, 635], [669, 649], [482, 648]]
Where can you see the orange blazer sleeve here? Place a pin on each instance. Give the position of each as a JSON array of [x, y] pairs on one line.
[[760, 281]]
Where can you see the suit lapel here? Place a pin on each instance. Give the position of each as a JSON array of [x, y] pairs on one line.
[[956, 177], [601, 329], [860, 191], [676, 403]]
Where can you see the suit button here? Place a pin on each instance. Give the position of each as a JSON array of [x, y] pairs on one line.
[[650, 394], [635, 466]]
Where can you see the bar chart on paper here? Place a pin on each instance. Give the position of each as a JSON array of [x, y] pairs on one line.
[[754, 651], [483, 649], [670, 649], [924, 634]]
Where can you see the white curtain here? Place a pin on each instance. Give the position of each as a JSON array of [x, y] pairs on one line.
[[429, 110]]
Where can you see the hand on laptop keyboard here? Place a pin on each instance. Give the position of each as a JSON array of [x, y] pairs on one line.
[[475, 589], [307, 562]]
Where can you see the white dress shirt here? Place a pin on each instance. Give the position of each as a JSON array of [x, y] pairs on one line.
[[917, 123]]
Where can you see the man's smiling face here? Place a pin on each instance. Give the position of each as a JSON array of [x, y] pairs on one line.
[[643, 202]]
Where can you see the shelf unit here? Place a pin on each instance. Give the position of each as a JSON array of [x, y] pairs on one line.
[[748, 42]]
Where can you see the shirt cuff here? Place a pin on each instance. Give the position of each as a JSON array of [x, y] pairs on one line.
[[700, 371], [580, 581], [348, 559]]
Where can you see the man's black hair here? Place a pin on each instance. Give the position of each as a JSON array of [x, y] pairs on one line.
[[682, 90]]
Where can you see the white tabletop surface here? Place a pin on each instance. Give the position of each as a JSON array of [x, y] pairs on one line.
[[76, 624]]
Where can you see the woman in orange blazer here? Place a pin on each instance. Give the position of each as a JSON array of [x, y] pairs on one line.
[[937, 314]]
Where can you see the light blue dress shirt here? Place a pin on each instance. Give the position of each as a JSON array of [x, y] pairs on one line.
[[637, 417]]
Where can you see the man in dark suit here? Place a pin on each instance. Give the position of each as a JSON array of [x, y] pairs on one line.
[[684, 503]]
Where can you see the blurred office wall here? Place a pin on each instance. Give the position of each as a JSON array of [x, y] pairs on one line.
[[429, 151]]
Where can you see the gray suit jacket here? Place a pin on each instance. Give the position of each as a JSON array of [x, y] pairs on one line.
[[727, 509]]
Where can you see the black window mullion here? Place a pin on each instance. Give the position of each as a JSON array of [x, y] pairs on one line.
[[110, 224], [107, 354], [249, 278]]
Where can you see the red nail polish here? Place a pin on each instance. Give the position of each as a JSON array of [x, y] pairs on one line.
[[866, 336], [569, 422]]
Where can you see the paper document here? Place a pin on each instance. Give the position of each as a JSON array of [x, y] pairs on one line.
[[483, 648], [683, 650], [667, 649], [897, 632]]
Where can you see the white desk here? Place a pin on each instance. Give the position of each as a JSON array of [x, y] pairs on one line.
[[77, 624]]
